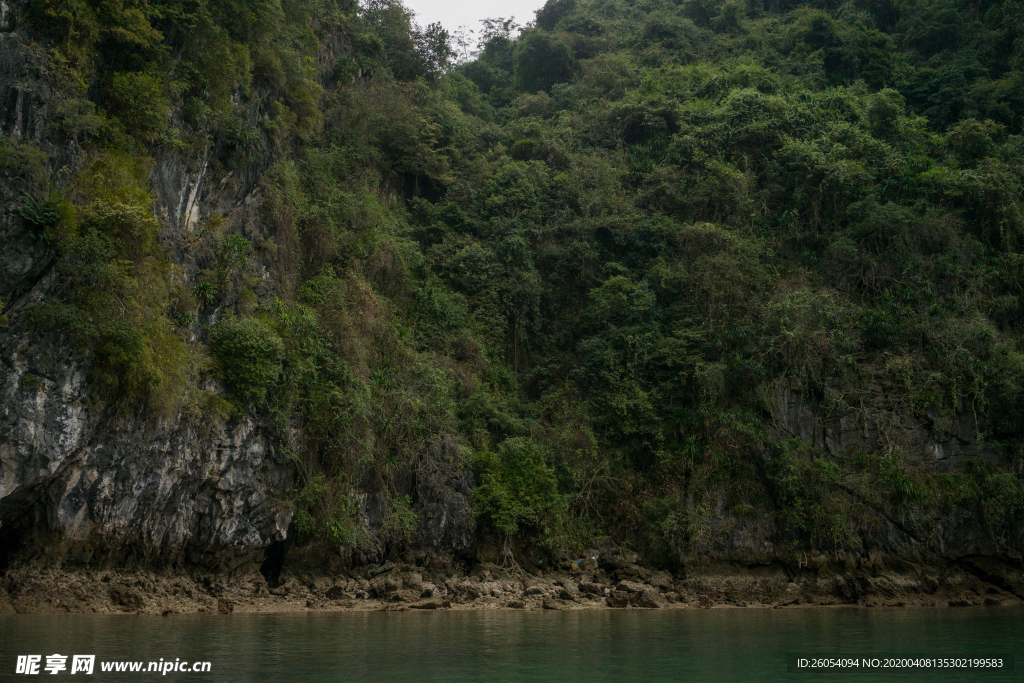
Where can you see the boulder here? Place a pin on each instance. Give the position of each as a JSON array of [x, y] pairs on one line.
[[629, 572], [482, 571], [649, 600], [337, 592], [470, 590], [614, 560], [385, 585], [550, 603], [662, 580], [618, 599], [413, 581]]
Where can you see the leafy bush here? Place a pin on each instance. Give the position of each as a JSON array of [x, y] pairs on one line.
[[249, 357], [441, 313], [139, 101], [324, 514], [518, 491], [41, 217]]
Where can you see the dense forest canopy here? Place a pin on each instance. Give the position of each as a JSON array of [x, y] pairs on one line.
[[593, 255]]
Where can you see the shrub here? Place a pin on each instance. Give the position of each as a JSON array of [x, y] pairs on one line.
[[139, 101], [39, 216], [400, 522], [143, 362], [441, 312], [248, 355], [326, 514], [204, 293], [519, 491]]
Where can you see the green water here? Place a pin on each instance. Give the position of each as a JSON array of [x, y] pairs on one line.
[[590, 647]]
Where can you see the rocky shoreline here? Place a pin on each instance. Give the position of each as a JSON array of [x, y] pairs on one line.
[[865, 582]]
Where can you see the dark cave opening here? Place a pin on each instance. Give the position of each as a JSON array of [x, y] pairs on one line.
[[12, 537], [18, 521], [273, 562]]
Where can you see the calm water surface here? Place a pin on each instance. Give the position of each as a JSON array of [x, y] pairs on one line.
[[589, 647]]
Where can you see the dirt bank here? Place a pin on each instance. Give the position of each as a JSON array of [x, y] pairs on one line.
[[396, 586]]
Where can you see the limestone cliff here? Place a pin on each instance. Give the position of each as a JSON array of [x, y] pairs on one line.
[[77, 480], [85, 483], [215, 482]]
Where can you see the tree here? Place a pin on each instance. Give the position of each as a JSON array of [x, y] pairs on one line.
[[433, 47], [541, 61]]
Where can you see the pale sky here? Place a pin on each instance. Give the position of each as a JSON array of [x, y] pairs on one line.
[[455, 13]]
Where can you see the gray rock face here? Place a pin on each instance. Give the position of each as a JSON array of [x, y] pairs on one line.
[[618, 599], [26, 99], [444, 488], [876, 427], [118, 489], [938, 443]]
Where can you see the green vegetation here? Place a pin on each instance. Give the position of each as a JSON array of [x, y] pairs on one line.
[[599, 255], [519, 490], [248, 356], [115, 282]]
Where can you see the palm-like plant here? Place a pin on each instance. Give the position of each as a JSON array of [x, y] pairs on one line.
[[204, 293]]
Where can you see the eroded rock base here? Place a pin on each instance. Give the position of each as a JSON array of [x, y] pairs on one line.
[[396, 586]]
